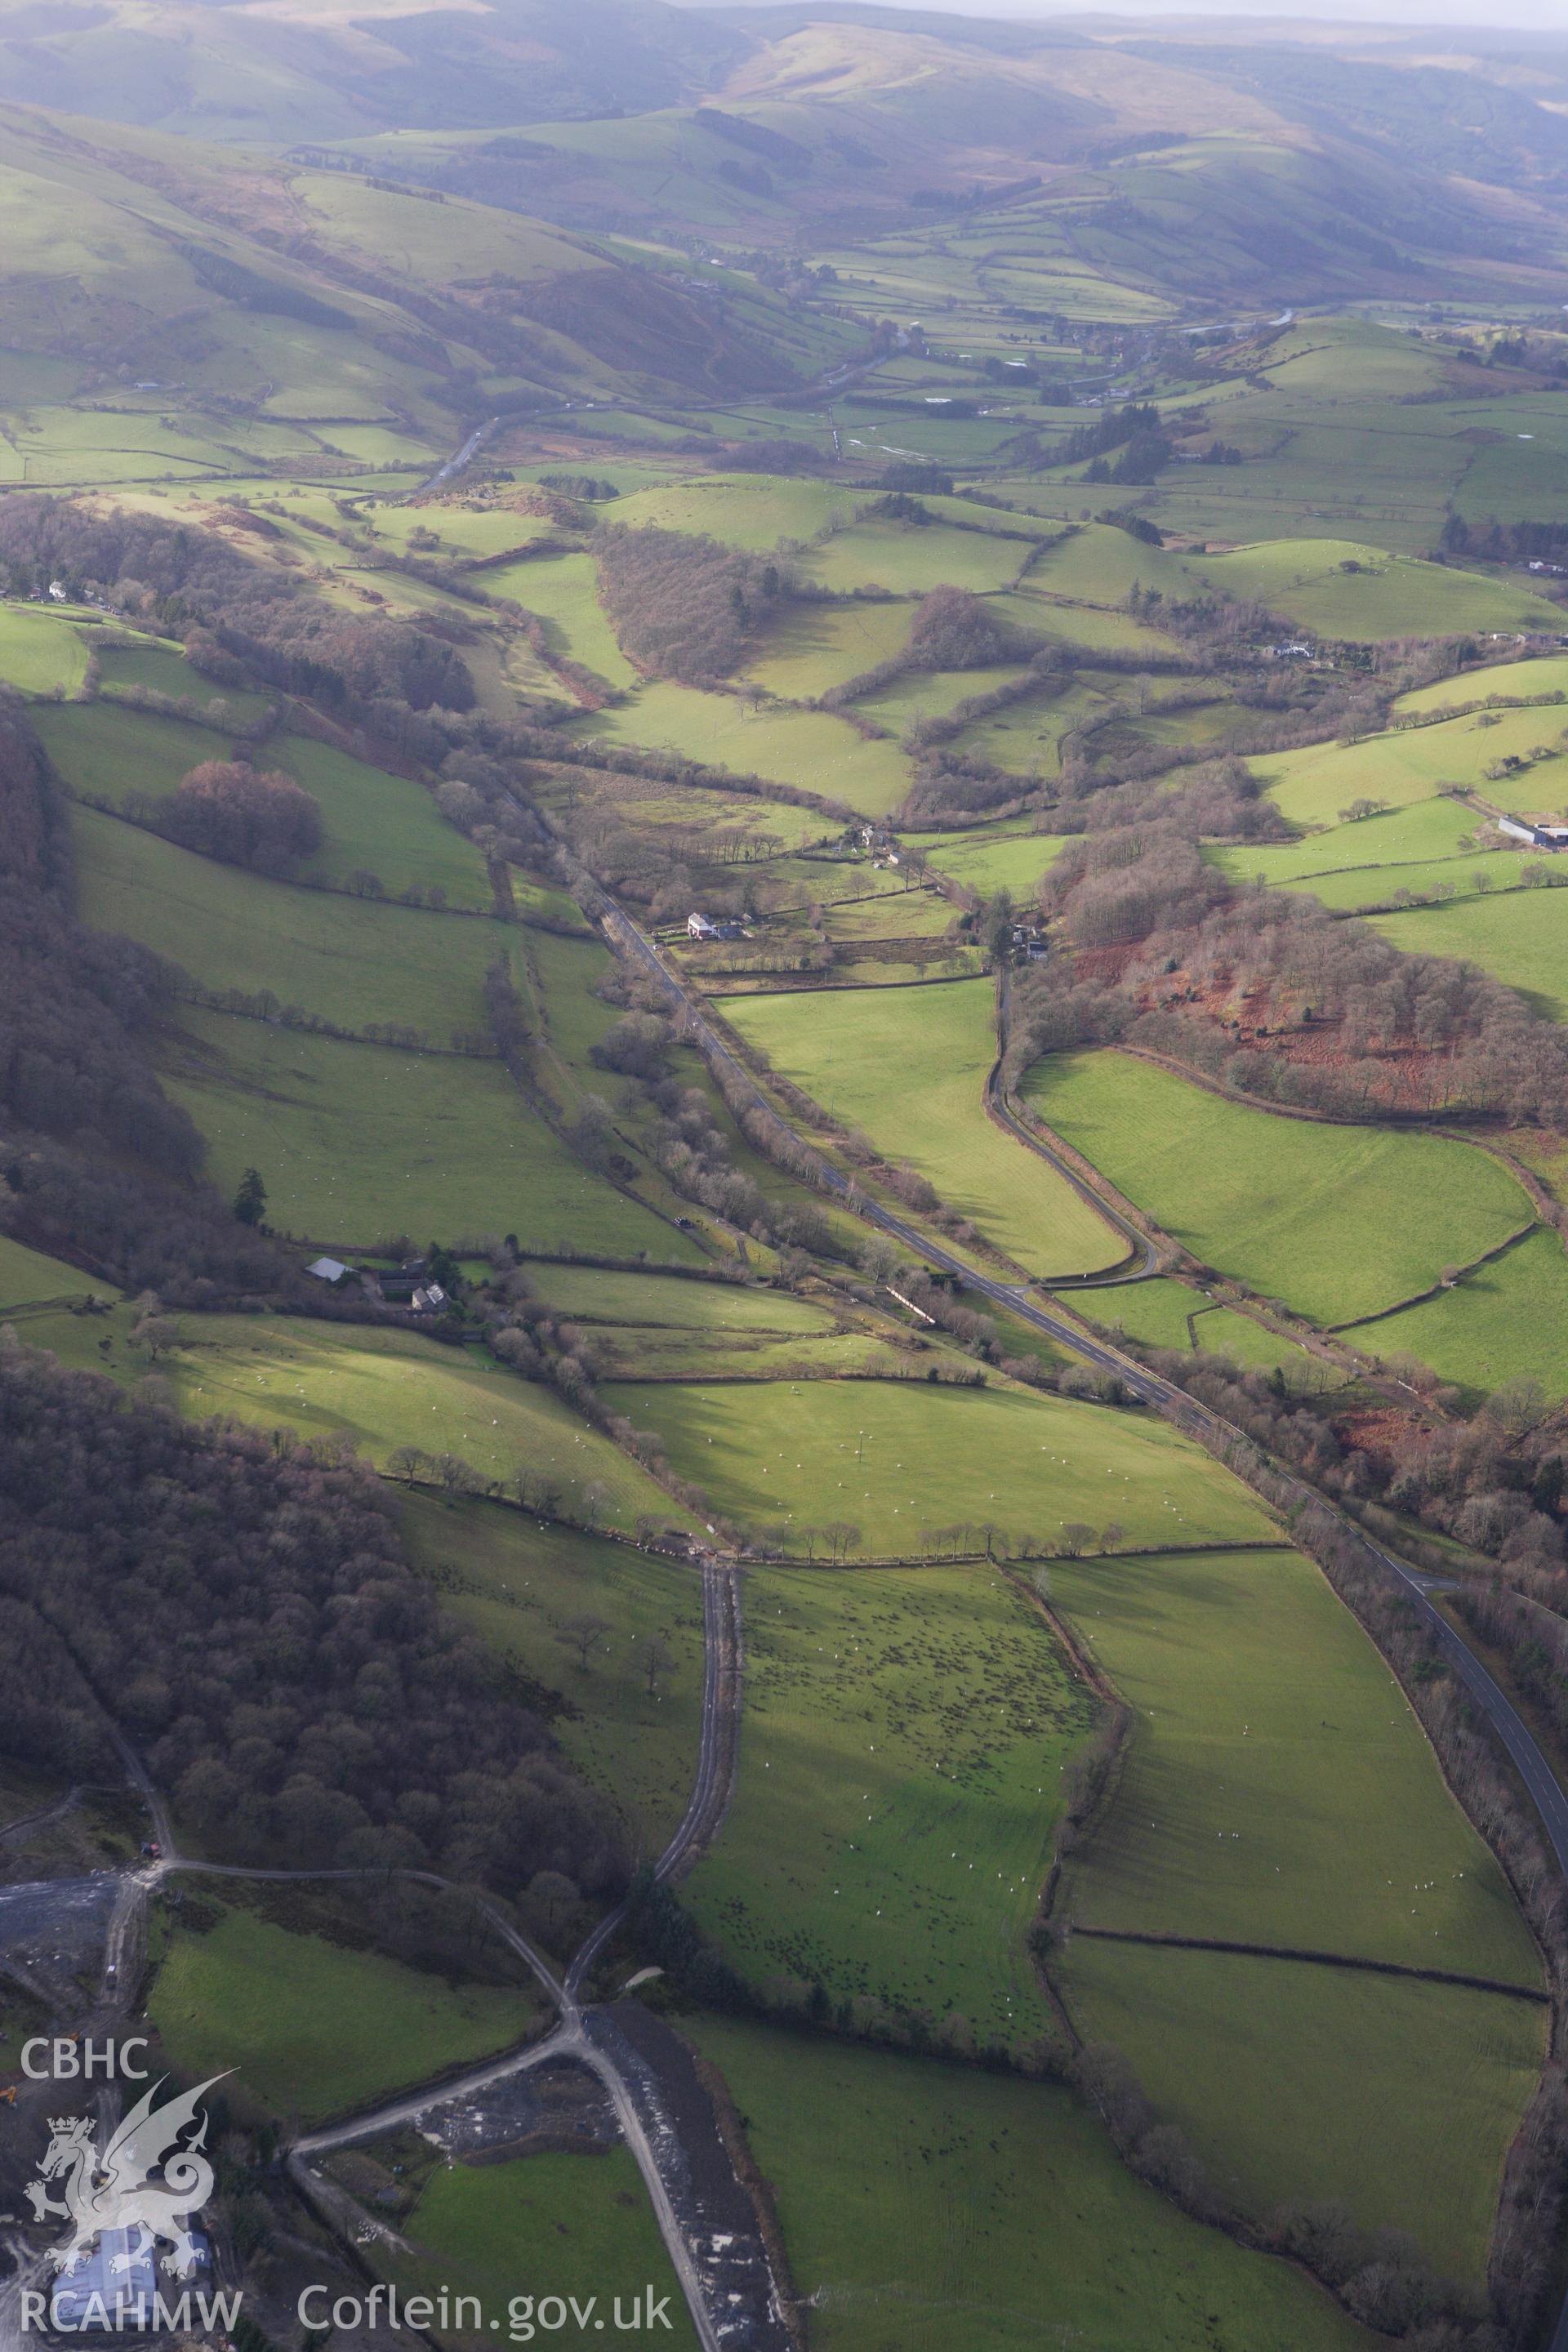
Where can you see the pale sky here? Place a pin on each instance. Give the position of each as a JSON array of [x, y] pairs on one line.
[[1491, 17]]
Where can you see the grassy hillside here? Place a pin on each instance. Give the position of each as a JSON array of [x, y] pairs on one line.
[[902, 1745], [903, 1461], [523, 1587], [1321, 2082], [387, 1389], [1338, 1221], [589, 2211], [1504, 1321], [166, 336], [928, 2189], [855, 1056], [1279, 1790], [314, 2030]]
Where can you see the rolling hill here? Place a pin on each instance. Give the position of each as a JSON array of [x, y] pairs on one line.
[[196, 311]]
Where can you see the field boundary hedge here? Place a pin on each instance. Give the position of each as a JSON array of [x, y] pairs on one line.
[[1316, 1959], [1435, 1289]]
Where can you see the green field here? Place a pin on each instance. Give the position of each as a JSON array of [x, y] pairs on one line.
[[809, 748], [1383, 595], [1438, 879], [1279, 1790], [922, 694], [1394, 2099], [521, 1585], [384, 1389], [1525, 680], [1159, 1311], [354, 1142], [553, 2223], [312, 2029], [897, 1458], [1411, 763], [750, 510], [810, 648], [41, 651], [27, 1276], [164, 669], [912, 558], [349, 959], [1521, 938], [901, 1745], [598, 1294], [1339, 1220], [1505, 1321], [908, 1066], [563, 591], [372, 822], [1420, 830], [1013, 862], [107, 752], [927, 2206]]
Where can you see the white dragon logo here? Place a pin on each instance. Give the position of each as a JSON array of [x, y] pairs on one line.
[[117, 2192]]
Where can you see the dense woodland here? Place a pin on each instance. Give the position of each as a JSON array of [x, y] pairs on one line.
[[682, 605], [244, 623], [95, 1160], [245, 816], [240, 1607], [1233, 980]]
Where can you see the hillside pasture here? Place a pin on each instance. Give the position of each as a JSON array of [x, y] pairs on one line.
[[1277, 1787], [571, 2223], [28, 1277], [357, 1141], [1394, 2099], [1420, 830], [158, 669], [1311, 786], [592, 1294], [1506, 1320], [908, 1067], [312, 2028], [910, 2187], [1534, 681], [901, 1747], [563, 591], [1027, 736], [105, 752], [373, 822], [41, 650], [1168, 1314], [351, 961], [1014, 862], [911, 559], [1384, 596], [748, 510], [628, 1351], [384, 1389], [808, 749], [810, 648], [524, 1587], [1520, 937], [897, 1459], [1336, 588], [922, 694], [1393, 886], [1339, 1220]]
